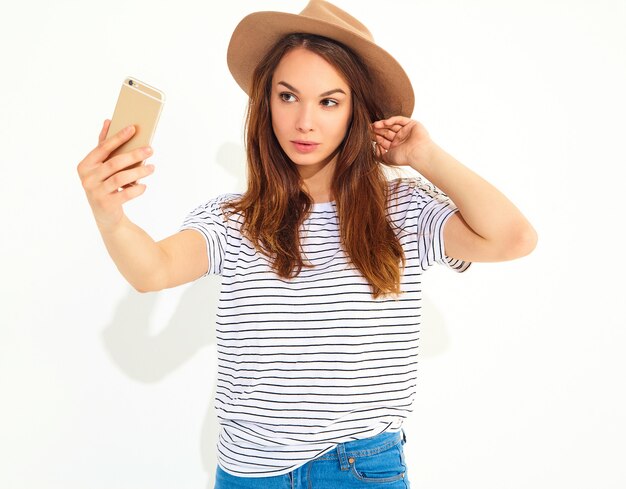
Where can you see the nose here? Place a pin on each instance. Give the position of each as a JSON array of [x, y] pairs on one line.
[[304, 121]]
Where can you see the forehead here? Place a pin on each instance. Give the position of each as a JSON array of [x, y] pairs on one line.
[[306, 70]]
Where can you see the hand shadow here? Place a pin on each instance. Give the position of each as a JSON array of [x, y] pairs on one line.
[[149, 357], [434, 339]]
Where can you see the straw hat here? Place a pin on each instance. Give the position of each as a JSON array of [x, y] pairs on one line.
[[259, 31]]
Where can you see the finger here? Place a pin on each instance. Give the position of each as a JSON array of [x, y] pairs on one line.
[[395, 128], [94, 176], [129, 193], [398, 119], [96, 156], [395, 122], [122, 161], [386, 133], [379, 152], [104, 131], [383, 143], [126, 177], [405, 131], [383, 128], [382, 153], [378, 149], [101, 152]]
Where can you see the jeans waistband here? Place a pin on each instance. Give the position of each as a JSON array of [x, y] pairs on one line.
[[365, 446]]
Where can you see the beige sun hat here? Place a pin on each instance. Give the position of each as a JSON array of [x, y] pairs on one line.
[[259, 31]]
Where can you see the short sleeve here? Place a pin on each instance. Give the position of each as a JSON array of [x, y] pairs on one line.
[[209, 220], [434, 208]]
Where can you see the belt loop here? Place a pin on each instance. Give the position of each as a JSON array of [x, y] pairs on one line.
[[343, 458]]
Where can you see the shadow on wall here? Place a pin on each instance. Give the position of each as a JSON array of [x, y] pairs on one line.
[[148, 357], [434, 339]]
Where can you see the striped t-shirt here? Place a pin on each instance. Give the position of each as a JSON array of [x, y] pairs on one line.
[[307, 363]]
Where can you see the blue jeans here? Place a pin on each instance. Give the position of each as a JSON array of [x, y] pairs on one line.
[[377, 461]]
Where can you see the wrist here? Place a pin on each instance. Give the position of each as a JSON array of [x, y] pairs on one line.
[[111, 227], [422, 158]]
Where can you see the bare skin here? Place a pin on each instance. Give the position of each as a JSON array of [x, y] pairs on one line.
[[310, 101], [488, 226], [147, 265], [306, 108]]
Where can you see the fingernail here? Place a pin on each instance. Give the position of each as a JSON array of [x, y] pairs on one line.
[[128, 128], [147, 150]]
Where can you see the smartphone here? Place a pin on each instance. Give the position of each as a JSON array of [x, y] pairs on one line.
[[139, 104]]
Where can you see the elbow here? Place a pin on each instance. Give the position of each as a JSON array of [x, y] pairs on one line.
[[522, 243], [528, 240], [143, 290], [145, 286]]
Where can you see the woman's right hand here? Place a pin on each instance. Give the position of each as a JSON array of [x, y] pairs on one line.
[[106, 182]]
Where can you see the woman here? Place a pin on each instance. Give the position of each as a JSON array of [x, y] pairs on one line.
[[320, 258]]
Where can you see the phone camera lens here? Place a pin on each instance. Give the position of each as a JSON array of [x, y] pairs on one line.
[[131, 83]]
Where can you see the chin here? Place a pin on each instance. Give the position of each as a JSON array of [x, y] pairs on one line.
[[308, 160], [300, 162]]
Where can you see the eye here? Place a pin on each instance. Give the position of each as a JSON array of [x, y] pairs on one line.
[[285, 96], [329, 102]]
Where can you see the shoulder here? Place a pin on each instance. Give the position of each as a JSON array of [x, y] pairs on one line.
[[406, 189], [416, 198], [400, 187], [415, 184], [216, 210], [416, 189], [218, 203], [225, 199]]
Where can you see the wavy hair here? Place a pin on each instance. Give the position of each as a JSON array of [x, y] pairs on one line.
[[275, 205]]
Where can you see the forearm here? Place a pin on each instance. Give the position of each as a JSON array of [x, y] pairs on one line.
[[137, 256], [483, 207]]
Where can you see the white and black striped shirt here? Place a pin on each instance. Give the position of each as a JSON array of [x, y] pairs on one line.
[[307, 363]]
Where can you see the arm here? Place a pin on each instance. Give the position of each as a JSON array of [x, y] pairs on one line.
[[150, 266], [108, 184], [488, 226]]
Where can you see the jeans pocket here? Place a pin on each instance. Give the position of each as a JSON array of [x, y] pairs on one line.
[[387, 466]]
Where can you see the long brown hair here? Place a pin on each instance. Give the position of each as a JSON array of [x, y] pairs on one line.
[[275, 206]]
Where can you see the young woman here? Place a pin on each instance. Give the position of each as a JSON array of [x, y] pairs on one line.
[[320, 258]]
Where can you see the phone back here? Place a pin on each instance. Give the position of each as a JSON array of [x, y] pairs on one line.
[[138, 104]]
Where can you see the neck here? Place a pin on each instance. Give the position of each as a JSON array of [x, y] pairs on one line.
[[316, 179]]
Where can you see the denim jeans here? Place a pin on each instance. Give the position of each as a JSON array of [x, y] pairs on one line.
[[375, 462]]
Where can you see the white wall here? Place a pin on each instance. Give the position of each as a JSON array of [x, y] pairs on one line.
[[522, 370]]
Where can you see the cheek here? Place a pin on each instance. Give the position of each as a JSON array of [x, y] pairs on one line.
[[278, 120], [343, 126]]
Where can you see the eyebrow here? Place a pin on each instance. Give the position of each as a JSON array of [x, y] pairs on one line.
[[325, 94]]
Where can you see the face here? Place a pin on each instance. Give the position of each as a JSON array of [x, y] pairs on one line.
[[311, 109]]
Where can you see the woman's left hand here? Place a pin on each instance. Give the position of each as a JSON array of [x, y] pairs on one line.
[[402, 141]]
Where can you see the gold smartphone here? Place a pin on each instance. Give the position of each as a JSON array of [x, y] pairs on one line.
[[138, 104]]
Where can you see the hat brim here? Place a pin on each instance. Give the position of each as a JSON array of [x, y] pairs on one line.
[[259, 31]]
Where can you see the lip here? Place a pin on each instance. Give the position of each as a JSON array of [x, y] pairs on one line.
[[305, 146]]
